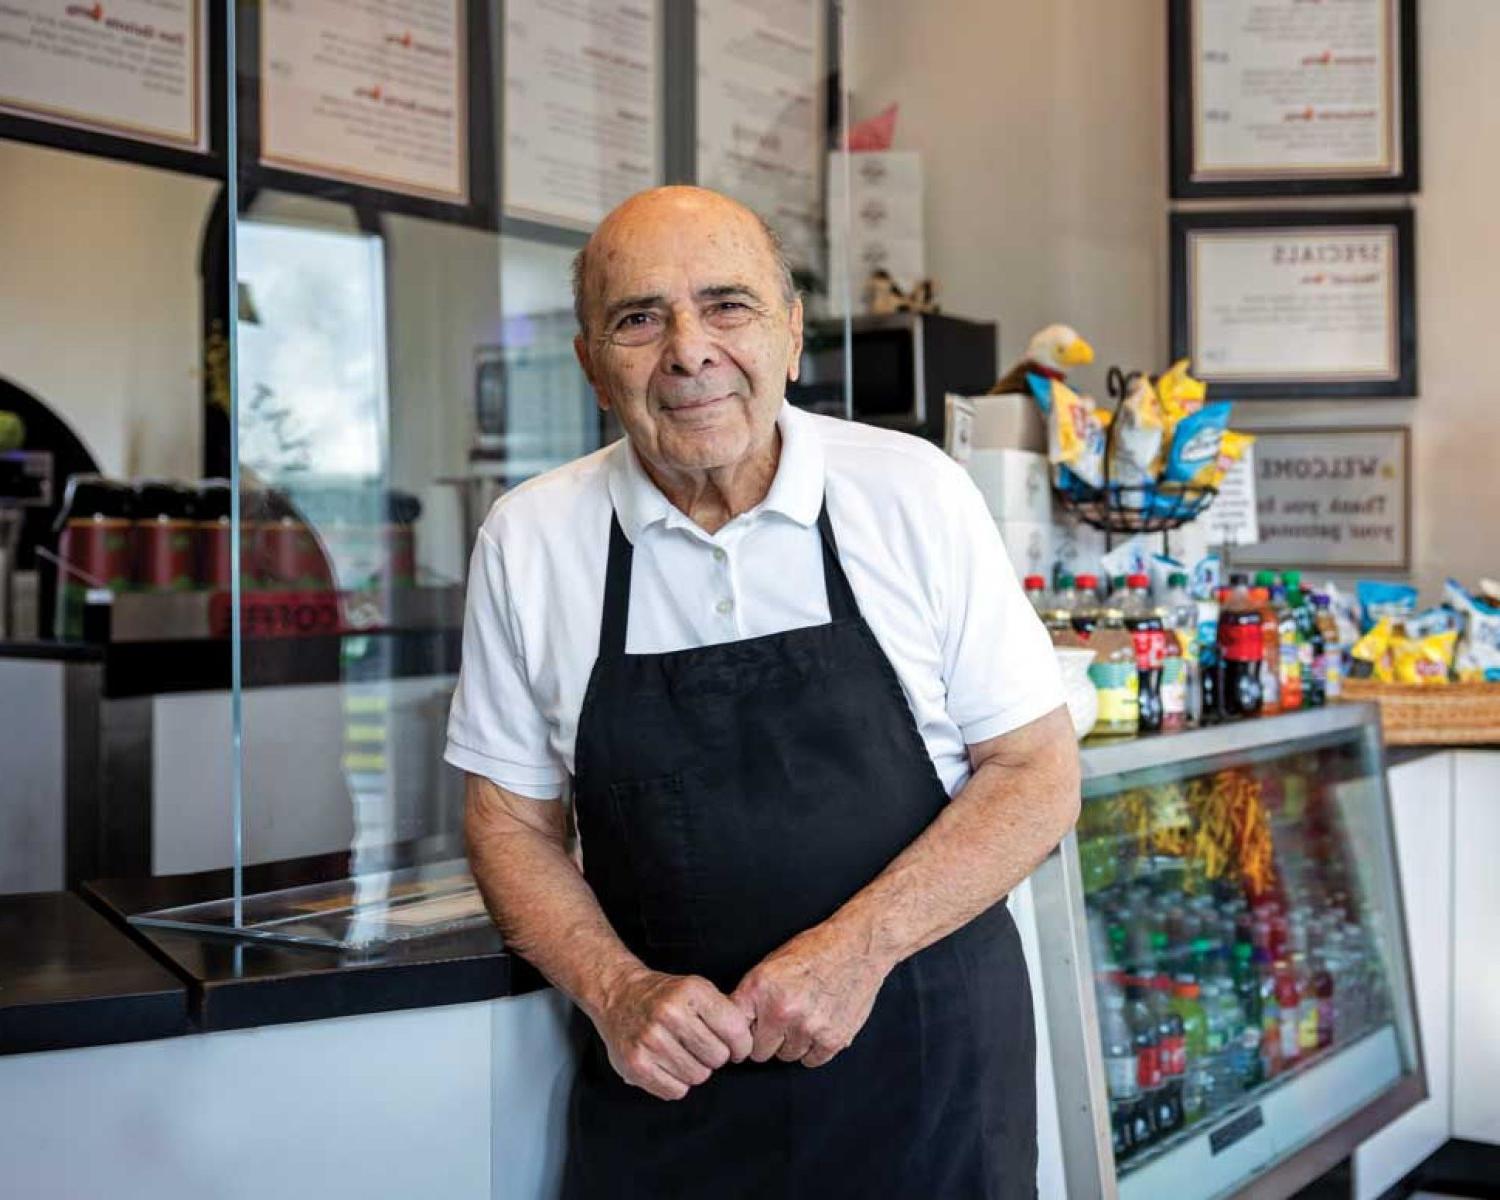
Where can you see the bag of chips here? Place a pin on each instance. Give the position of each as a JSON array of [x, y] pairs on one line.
[[1424, 660], [1075, 430], [1371, 656], [1135, 447], [1194, 452]]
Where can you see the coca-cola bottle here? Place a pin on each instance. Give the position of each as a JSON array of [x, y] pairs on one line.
[[1242, 648]]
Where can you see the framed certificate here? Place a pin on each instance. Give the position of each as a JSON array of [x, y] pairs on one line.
[[1333, 499], [140, 80], [1285, 97], [583, 108], [384, 107], [1296, 305]]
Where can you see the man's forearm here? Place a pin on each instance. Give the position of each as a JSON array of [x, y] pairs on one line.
[[545, 910], [989, 838]]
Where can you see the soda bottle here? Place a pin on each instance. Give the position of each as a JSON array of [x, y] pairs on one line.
[[1058, 617], [1242, 649], [1186, 1000], [1086, 606], [1215, 1042], [1196, 1089], [1147, 1045], [1148, 633], [1290, 1003], [1179, 672], [1292, 648], [1035, 588], [1236, 1075], [1270, 1018], [1307, 1007], [1310, 648], [1333, 654], [1270, 635], [1171, 1053], [1210, 700], [1115, 676], [1121, 1076], [1322, 985]]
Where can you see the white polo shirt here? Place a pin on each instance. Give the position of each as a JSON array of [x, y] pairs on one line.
[[921, 552]]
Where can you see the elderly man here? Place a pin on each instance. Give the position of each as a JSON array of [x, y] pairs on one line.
[[815, 737]]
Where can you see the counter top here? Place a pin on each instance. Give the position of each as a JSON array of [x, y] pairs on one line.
[[234, 983], [69, 978]]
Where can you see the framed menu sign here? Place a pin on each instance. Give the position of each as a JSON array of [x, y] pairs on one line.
[[1332, 498], [1296, 304], [1293, 98], [373, 103], [129, 79], [583, 111]]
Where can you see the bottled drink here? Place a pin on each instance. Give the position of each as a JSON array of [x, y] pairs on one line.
[[1322, 986], [1170, 1052], [1236, 1075], [1196, 1089], [1292, 648], [1290, 1003], [1215, 1042], [1310, 647], [1210, 701], [1307, 1006], [1115, 678], [1121, 1076], [1242, 649], [1271, 1059], [1186, 1000], [1148, 633], [1035, 588], [1059, 615], [1270, 637], [1333, 654], [1180, 697], [1147, 1044], [1086, 606]]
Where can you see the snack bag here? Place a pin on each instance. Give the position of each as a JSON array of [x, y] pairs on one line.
[[1128, 558], [1181, 395], [1194, 452], [1345, 610], [1372, 655], [1075, 430], [1479, 649], [1135, 448], [1232, 447], [1398, 601], [1424, 660]]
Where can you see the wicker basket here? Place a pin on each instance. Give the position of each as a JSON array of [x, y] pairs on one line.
[[1460, 714]]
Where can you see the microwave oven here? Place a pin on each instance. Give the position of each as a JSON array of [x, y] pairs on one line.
[[904, 365]]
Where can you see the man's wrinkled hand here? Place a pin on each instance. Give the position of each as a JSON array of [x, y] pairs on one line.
[[809, 998], [667, 1034]]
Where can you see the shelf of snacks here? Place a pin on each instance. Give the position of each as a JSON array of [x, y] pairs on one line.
[[1224, 959]]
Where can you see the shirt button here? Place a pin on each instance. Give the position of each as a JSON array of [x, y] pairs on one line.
[[725, 607], [719, 555]]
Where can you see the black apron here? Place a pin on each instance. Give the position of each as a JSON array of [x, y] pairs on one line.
[[729, 797]]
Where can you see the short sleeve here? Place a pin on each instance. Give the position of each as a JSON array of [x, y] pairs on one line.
[[495, 727], [998, 662]]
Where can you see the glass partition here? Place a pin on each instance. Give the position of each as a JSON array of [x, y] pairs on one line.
[[415, 180]]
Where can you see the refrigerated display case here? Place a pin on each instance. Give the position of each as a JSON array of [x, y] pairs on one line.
[[1225, 966]]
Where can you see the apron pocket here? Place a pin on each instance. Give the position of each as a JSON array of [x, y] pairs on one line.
[[655, 820]]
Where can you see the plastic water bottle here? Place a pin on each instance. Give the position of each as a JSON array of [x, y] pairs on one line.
[[1120, 1073]]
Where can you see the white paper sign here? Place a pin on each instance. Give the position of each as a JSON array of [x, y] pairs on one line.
[[1318, 303], [760, 112], [368, 91], [1285, 88], [1230, 519], [582, 113], [1335, 498], [132, 68]]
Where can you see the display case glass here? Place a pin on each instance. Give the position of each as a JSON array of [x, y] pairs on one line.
[[1225, 961]]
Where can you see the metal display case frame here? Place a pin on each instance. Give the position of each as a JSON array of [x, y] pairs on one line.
[[1067, 970]]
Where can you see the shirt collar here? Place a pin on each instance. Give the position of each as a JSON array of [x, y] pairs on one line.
[[796, 492]]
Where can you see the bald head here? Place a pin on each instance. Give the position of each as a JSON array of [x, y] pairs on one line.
[[646, 214]]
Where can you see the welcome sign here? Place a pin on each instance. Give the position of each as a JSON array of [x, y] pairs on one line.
[[1334, 498]]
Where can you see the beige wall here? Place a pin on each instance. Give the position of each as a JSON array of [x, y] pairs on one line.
[[1044, 132], [99, 302]]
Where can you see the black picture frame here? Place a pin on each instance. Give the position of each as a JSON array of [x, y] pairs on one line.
[[208, 163], [482, 209], [1402, 385], [1186, 186]]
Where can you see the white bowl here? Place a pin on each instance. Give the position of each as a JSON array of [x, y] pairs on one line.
[[1078, 688]]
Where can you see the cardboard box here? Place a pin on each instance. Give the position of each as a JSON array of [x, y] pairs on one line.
[[1016, 484], [1010, 421], [1029, 545]]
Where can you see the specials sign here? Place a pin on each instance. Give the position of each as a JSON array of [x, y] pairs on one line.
[[1296, 304], [1332, 498]]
